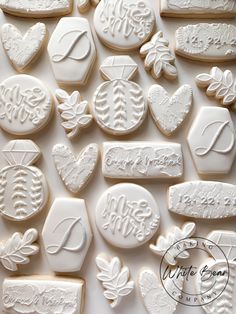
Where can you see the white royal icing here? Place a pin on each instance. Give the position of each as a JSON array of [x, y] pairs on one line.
[[67, 234], [119, 106], [169, 112], [39, 8], [22, 50], [220, 84], [207, 42], [26, 105], [196, 8], [84, 5], [43, 295], [114, 278], [203, 199], [127, 215], [73, 111], [155, 297], [158, 57], [72, 51], [75, 172], [124, 24], [169, 247], [142, 160], [212, 141], [17, 249], [23, 188]]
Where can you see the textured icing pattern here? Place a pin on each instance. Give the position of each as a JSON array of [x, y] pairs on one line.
[[203, 199], [207, 42], [169, 112], [39, 8], [142, 160]]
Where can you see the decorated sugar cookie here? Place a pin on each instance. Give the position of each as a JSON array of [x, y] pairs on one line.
[[124, 24], [169, 112], [114, 278], [84, 5], [119, 106], [22, 50], [211, 141], [67, 234], [72, 51], [207, 42], [23, 189], [220, 84], [75, 172], [17, 249], [221, 286], [73, 111], [36, 8], [158, 57], [26, 105], [127, 215], [44, 294], [195, 8], [203, 199]]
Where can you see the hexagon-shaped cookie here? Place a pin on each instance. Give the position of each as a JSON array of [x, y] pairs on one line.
[[212, 141], [67, 234], [72, 51]]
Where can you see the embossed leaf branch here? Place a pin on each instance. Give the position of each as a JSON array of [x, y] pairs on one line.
[[114, 278], [164, 244], [18, 248], [158, 57], [73, 111], [220, 84]]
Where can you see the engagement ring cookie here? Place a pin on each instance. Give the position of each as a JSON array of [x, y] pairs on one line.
[[72, 51], [124, 24], [26, 105], [119, 106], [67, 235], [23, 188], [207, 42], [127, 215], [22, 50]]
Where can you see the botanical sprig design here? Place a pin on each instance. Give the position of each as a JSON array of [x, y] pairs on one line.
[[18, 248], [73, 111], [158, 57], [220, 84], [114, 278], [164, 245]]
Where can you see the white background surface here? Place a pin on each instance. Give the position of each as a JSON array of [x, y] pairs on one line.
[[137, 258]]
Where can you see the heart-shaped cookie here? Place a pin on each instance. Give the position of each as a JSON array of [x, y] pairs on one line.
[[75, 172], [169, 112], [21, 50]]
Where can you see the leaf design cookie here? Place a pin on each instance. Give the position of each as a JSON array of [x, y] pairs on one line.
[[169, 112], [22, 50], [158, 57], [37, 9], [155, 297], [75, 172], [73, 111], [84, 5], [164, 245], [220, 84], [114, 278], [221, 284], [119, 106], [17, 249]]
